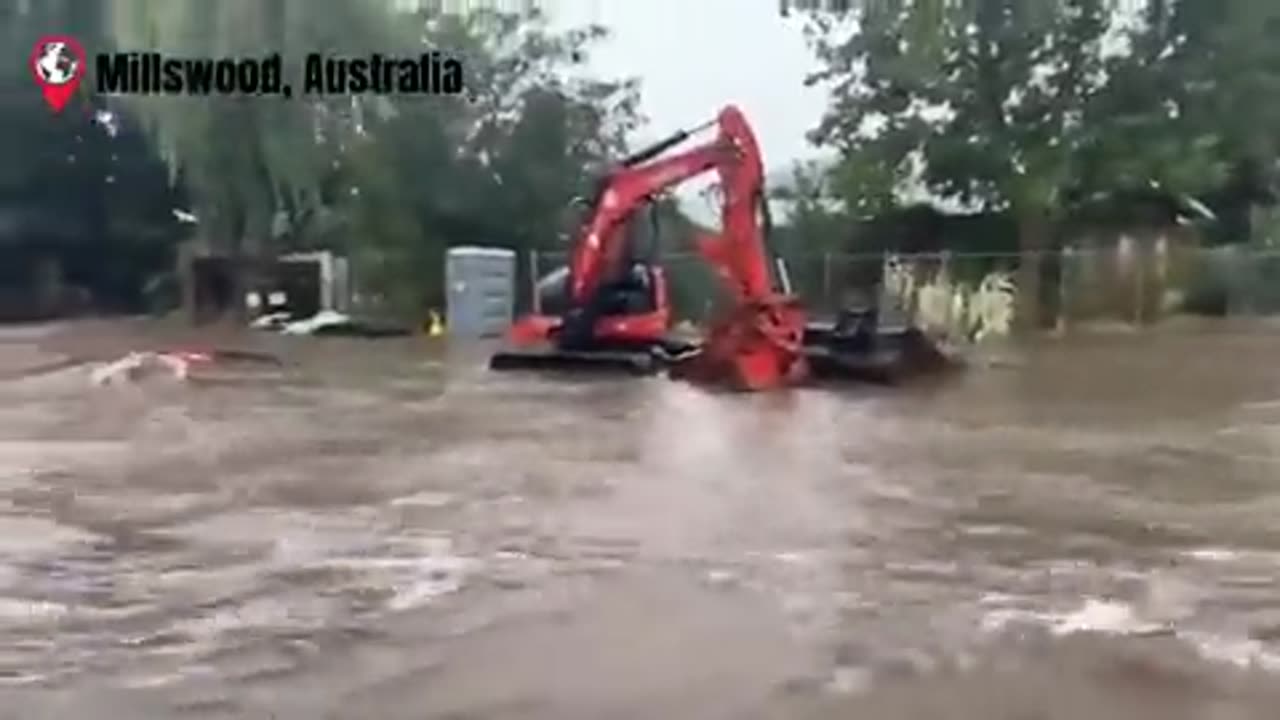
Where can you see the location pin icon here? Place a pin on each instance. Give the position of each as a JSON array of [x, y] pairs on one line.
[[57, 63]]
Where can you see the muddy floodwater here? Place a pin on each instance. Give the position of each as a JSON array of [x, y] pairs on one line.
[[1089, 529]]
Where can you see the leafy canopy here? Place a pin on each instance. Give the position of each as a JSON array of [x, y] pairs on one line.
[[1034, 104]]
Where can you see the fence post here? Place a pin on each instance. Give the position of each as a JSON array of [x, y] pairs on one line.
[[826, 277], [1066, 268], [1140, 281], [883, 297], [943, 282], [536, 301]]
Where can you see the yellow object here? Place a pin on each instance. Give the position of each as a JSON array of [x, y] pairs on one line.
[[435, 326]]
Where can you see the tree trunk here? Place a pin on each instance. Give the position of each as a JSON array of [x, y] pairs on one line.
[[185, 271], [50, 291], [245, 257], [241, 282], [1033, 241]]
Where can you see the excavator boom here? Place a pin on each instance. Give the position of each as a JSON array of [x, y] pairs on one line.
[[596, 255], [735, 155]]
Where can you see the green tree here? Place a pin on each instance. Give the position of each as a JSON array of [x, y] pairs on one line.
[[809, 229], [1217, 65], [248, 163], [1018, 106], [497, 168], [986, 98], [80, 197], [808, 207]]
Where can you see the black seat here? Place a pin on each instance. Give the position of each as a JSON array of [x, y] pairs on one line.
[[856, 328], [632, 295]]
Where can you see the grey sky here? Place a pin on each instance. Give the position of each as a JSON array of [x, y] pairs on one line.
[[692, 56]]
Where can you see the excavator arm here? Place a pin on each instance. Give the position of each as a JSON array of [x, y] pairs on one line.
[[738, 254], [597, 253]]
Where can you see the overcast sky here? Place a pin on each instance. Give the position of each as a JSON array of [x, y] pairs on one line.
[[693, 56]]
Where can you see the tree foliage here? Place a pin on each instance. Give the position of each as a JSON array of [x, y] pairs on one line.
[[1221, 66], [1037, 108], [1036, 105], [247, 160], [499, 167], [85, 194], [393, 180], [989, 96]]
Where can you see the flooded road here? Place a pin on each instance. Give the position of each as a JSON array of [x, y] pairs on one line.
[[382, 531]]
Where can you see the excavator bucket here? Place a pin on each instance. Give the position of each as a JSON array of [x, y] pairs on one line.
[[757, 346]]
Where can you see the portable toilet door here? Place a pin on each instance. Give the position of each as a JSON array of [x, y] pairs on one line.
[[481, 285]]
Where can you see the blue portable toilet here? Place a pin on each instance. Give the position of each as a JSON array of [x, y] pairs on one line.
[[481, 286]]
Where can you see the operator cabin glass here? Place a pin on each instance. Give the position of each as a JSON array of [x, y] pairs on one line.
[[633, 288], [575, 217], [553, 276]]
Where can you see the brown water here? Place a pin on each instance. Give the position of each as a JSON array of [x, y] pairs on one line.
[[380, 532]]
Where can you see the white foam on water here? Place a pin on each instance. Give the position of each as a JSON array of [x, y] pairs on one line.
[[795, 558], [152, 682], [302, 548], [16, 610], [434, 580], [1108, 617], [984, 531], [413, 581], [26, 679], [1240, 652], [1212, 554], [427, 499], [1101, 616], [1265, 559]]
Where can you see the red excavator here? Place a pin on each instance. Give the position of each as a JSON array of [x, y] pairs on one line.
[[614, 310], [617, 308]]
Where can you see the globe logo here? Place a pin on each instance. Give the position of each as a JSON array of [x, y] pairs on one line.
[[56, 64]]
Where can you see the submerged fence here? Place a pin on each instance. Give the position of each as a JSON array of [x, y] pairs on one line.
[[967, 296]]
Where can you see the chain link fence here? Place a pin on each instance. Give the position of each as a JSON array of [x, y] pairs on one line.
[[966, 296]]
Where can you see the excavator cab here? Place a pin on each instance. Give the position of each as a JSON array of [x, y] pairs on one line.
[[624, 327], [635, 290], [633, 295], [629, 312]]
